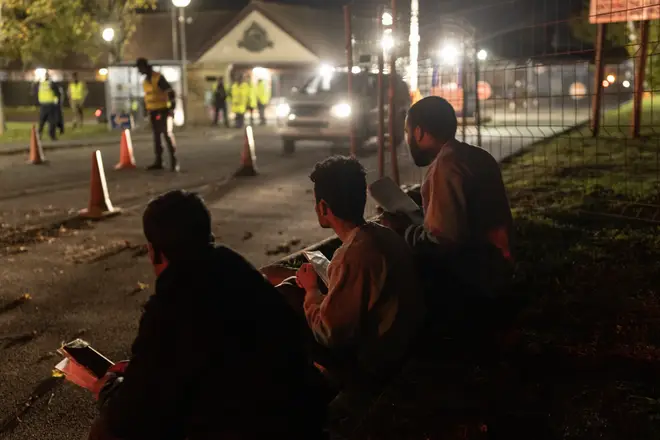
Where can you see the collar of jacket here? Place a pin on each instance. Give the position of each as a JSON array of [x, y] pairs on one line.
[[171, 277]]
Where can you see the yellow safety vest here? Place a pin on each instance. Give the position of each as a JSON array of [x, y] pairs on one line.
[[239, 98], [154, 97], [263, 94], [46, 94], [77, 91]]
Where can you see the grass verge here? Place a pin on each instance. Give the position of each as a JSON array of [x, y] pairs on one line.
[[17, 132], [587, 363]]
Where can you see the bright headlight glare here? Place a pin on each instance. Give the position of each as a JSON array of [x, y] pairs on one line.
[[341, 111], [283, 110]]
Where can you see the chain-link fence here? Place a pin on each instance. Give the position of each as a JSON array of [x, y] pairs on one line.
[[525, 91]]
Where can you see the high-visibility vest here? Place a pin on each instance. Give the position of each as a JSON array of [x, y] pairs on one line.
[[77, 91], [46, 94], [263, 94], [154, 97], [239, 98], [246, 94]]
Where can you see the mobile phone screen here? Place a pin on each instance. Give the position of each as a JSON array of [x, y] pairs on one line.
[[83, 353]]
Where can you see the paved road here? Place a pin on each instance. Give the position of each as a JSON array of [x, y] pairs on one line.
[[79, 289]]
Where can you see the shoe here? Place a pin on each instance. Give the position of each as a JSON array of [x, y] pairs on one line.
[[175, 167], [155, 166]]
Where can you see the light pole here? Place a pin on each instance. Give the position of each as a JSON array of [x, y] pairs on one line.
[[414, 44], [2, 104], [108, 36], [181, 5]]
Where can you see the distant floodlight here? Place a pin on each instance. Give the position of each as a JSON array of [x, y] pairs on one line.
[[103, 71], [40, 73], [387, 19], [387, 42], [449, 53], [108, 34], [482, 55], [626, 84], [180, 3], [326, 69], [356, 69]]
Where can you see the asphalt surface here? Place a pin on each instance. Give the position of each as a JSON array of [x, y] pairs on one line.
[[90, 279]]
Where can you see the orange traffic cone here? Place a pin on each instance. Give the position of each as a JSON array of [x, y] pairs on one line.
[[248, 156], [100, 205], [126, 158], [36, 151]]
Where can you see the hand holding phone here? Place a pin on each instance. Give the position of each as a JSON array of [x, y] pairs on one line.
[[117, 369], [83, 365]]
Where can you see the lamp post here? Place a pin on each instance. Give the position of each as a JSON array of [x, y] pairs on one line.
[[2, 105], [414, 45], [181, 5], [108, 36]]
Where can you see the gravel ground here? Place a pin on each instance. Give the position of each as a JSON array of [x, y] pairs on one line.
[[89, 279]]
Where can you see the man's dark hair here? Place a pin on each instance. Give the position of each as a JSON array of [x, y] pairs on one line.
[[342, 183], [435, 116], [142, 62], [178, 224]]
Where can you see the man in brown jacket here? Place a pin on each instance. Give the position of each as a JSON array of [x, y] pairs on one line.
[[366, 323], [463, 248]]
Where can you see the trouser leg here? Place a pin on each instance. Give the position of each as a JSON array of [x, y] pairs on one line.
[[53, 121], [170, 141], [225, 114], [43, 118], [157, 128]]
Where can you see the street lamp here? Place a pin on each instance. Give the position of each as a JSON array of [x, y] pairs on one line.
[[108, 34], [387, 19], [449, 53], [388, 40], [482, 55], [181, 5]]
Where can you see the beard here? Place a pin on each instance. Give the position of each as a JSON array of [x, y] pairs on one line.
[[323, 222], [421, 157]]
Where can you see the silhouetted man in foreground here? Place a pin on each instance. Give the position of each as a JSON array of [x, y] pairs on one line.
[[218, 355]]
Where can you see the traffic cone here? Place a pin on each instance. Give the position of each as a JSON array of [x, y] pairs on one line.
[[248, 156], [126, 158], [36, 151], [100, 205]]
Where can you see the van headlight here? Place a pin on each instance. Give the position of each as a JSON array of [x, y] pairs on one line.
[[341, 111], [283, 110]]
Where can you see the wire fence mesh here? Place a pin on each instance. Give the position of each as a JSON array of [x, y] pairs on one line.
[[526, 94]]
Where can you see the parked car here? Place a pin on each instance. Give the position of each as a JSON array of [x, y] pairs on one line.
[[322, 110]]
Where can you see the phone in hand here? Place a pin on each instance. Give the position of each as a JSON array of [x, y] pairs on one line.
[[82, 353]]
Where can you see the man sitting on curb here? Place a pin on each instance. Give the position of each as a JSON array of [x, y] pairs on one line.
[[374, 307], [463, 248], [214, 358]]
